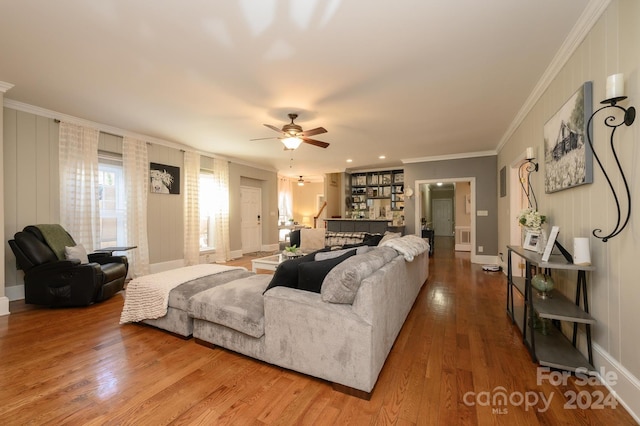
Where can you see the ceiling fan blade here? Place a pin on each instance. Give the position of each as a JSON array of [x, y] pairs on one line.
[[312, 132], [315, 142], [262, 139], [274, 128]]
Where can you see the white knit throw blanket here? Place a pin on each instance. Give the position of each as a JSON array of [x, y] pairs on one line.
[[147, 297], [409, 246]]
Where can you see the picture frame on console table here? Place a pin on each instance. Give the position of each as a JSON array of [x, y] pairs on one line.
[[550, 243], [531, 240]]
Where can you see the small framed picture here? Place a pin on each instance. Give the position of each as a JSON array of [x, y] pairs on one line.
[[531, 240]]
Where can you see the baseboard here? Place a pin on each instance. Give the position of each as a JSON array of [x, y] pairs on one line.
[[236, 254], [4, 306], [627, 386], [15, 292], [462, 247]]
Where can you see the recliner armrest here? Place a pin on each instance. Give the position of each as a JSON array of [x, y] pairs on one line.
[[59, 265], [105, 257]]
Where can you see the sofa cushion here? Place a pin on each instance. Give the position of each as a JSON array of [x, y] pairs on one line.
[[237, 305], [311, 274], [342, 283], [286, 273]]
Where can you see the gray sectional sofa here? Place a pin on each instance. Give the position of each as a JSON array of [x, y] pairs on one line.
[[342, 334]]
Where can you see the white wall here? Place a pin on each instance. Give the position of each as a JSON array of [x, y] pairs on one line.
[[31, 193], [614, 289]]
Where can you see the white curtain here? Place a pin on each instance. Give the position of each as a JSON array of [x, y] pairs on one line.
[[135, 167], [221, 213], [79, 197], [191, 208], [285, 198]]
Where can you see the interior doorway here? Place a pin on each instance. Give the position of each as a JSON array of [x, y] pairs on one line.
[[251, 219], [469, 205]]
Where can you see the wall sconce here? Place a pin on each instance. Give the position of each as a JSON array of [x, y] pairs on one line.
[[527, 168], [408, 193], [615, 94]]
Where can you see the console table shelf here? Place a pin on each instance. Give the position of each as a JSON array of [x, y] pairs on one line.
[[553, 349]]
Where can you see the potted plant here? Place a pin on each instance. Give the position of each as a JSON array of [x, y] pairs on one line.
[[292, 251]]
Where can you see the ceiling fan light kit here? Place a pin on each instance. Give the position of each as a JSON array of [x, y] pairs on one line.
[[291, 143]]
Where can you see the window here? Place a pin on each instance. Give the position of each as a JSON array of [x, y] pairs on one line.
[[207, 200], [111, 200]]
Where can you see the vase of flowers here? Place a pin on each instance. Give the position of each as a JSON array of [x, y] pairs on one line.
[[532, 219]]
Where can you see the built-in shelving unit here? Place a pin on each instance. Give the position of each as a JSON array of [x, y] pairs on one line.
[[378, 194], [551, 348]]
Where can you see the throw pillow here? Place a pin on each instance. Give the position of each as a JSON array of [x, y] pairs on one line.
[[76, 252], [286, 274], [389, 235], [372, 239], [311, 274]]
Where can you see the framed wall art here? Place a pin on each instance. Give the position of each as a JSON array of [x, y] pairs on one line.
[[164, 179], [568, 158]]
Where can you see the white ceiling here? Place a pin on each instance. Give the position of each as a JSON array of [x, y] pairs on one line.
[[406, 79]]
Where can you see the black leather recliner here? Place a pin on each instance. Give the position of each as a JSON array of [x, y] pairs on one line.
[[53, 282]]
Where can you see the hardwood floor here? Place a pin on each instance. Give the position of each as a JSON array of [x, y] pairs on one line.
[[79, 366]]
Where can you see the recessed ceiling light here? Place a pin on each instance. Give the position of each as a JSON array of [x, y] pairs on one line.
[[439, 183], [349, 160], [382, 157]]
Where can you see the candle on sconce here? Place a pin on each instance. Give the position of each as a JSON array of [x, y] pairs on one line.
[[615, 86], [530, 153]]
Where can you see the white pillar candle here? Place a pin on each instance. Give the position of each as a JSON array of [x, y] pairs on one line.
[[581, 254], [615, 86], [530, 154]]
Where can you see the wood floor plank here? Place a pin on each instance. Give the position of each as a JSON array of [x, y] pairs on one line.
[[80, 367]]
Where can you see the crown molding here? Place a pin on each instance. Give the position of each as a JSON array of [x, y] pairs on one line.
[[47, 113], [449, 157], [578, 33], [4, 86]]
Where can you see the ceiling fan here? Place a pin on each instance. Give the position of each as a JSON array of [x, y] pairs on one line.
[[301, 181], [292, 135]]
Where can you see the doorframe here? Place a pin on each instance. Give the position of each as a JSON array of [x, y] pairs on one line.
[[418, 209], [516, 200], [259, 190]]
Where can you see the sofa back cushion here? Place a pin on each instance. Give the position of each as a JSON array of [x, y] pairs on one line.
[[312, 239], [342, 283]]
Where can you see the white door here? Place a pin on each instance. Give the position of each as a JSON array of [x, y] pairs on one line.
[[251, 228], [442, 216]]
